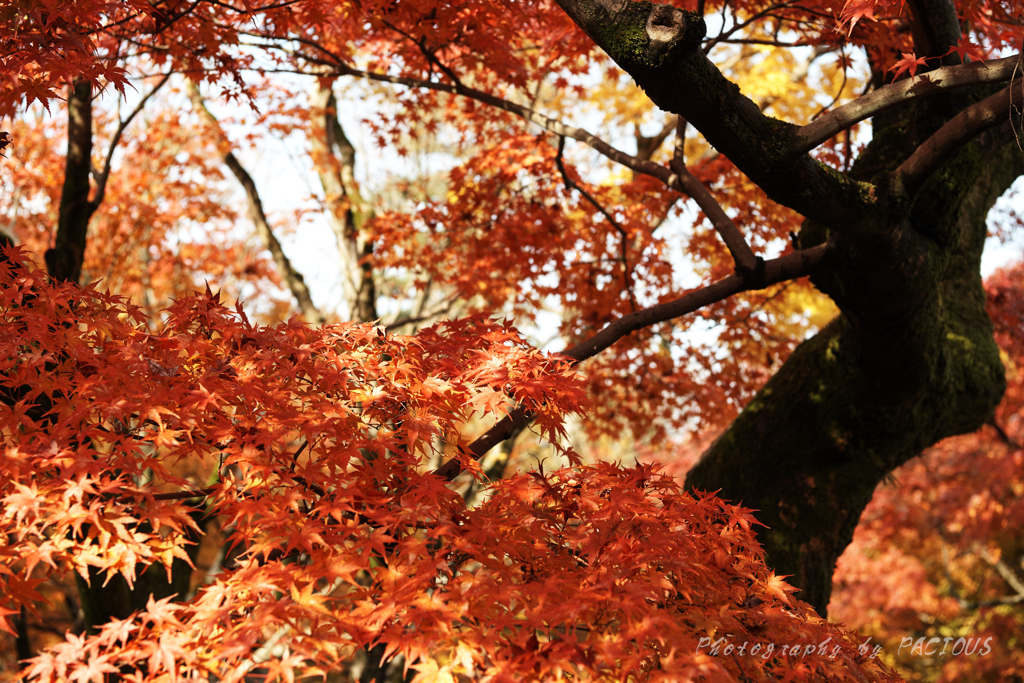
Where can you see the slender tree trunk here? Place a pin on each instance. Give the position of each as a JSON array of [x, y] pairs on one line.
[[347, 212], [64, 259]]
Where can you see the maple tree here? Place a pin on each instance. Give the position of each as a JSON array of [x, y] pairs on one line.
[[321, 455]]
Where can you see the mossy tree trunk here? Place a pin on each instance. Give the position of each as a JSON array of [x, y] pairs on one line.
[[911, 359]]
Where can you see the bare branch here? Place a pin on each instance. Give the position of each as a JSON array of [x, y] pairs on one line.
[[339, 67], [947, 78], [104, 173], [1003, 436], [623, 235], [647, 146], [1004, 571], [292, 278], [684, 182], [793, 265], [726, 37], [959, 130]]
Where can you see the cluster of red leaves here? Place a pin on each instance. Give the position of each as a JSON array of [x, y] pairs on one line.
[[882, 27], [513, 233], [47, 44], [931, 556], [317, 440]]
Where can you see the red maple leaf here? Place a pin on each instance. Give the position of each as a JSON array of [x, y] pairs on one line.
[[854, 11], [965, 49], [908, 63]]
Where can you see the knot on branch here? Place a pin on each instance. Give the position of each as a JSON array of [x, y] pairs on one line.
[[669, 29], [665, 24]]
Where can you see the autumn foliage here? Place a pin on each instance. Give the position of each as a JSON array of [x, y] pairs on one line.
[[264, 475], [314, 441]]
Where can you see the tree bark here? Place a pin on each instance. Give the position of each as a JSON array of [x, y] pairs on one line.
[[64, 259], [347, 212], [911, 359]]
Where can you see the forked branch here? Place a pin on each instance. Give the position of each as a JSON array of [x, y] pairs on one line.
[[686, 182], [103, 174]]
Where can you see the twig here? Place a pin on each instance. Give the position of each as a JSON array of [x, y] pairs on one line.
[[102, 175], [570, 184], [342, 68]]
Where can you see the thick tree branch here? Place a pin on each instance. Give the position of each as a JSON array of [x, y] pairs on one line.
[[947, 78], [961, 129], [659, 46], [788, 267], [293, 279], [686, 182]]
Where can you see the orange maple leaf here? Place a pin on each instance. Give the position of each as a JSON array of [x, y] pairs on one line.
[[965, 49]]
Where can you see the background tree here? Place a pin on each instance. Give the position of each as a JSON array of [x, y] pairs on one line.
[[891, 229]]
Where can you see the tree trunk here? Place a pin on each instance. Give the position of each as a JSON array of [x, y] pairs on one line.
[[64, 259], [909, 361], [347, 212]]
